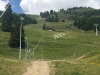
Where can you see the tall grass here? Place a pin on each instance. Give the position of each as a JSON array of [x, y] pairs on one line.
[[65, 68], [63, 48], [9, 63]]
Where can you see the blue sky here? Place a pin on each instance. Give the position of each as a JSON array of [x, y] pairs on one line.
[[16, 6], [37, 6]]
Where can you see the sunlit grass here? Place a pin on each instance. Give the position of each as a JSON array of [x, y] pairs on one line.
[[12, 66], [9, 63], [62, 48], [65, 68]]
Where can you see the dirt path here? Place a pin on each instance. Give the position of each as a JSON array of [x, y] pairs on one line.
[[38, 68], [42, 67]]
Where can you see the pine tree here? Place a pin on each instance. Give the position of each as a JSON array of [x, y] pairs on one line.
[[44, 27], [51, 12], [7, 19], [14, 41]]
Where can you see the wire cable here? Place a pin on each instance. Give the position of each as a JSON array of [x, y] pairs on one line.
[[36, 46]]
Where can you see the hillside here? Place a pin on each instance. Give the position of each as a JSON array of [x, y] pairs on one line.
[[72, 13], [69, 51], [73, 50], [69, 14]]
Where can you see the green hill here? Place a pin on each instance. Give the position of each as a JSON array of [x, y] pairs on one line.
[[71, 13], [76, 53], [33, 16], [68, 14]]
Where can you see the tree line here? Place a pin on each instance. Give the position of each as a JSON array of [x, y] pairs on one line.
[[62, 15], [51, 16], [87, 19], [87, 23], [84, 17]]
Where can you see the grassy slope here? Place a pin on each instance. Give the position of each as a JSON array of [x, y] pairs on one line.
[[73, 12], [12, 66], [63, 48], [9, 63], [54, 49], [65, 68]]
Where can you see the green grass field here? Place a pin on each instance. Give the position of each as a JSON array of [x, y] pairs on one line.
[[72, 45], [65, 68], [63, 47], [9, 62]]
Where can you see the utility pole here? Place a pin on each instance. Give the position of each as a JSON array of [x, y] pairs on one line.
[[96, 28], [26, 48], [33, 54], [74, 55], [20, 36]]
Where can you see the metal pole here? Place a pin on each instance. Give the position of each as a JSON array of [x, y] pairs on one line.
[[26, 48], [20, 41], [74, 55], [96, 29], [42, 54], [20, 37], [33, 55]]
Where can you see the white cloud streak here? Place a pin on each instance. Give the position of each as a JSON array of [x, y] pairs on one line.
[[36, 6], [3, 3]]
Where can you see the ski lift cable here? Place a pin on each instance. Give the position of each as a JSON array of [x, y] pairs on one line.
[[6, 8], [36, 46], [38, 43]]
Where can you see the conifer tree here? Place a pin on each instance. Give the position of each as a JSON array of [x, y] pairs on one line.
[[7, 19], [44, 26], [14, 41]]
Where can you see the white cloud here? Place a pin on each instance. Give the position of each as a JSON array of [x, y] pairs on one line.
[[3, 4], [36, 6]]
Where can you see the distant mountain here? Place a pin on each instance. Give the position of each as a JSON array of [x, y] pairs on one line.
[[72, 13], [84, 17], [64, 15]]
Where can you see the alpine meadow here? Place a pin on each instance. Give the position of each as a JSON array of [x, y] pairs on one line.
[[64, 42]]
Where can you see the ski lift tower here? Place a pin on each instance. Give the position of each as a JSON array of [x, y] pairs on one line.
[[20, 51], [96, 28]]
